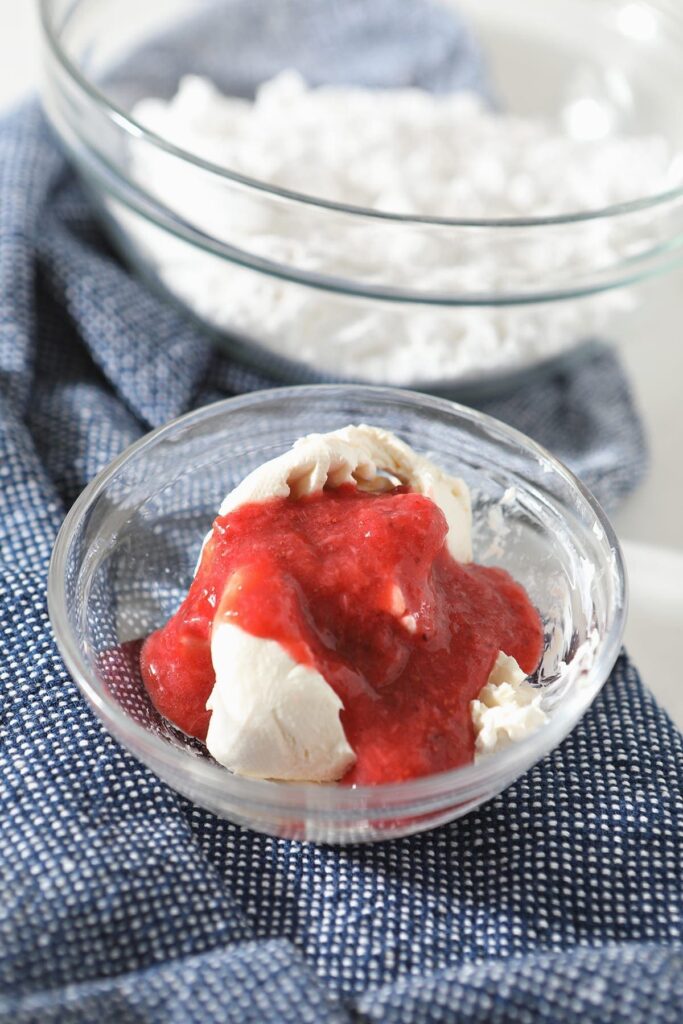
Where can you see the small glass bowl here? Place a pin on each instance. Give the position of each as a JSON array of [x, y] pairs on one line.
[[126, 554], [439, 302]]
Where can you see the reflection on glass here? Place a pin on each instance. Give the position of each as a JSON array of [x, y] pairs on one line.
[[637, 21]]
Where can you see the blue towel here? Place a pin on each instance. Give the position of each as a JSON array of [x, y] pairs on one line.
[[559, 901]]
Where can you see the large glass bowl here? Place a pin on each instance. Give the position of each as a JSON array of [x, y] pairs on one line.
[[126, 554], [493, 296]]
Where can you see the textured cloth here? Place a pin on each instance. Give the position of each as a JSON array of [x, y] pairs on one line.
[[559, 901], [238, 44]]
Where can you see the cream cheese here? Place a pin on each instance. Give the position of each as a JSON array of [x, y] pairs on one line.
[[362, 456], [508, 708], [273, 718]]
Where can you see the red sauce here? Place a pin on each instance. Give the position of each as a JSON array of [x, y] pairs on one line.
[[319, 576]]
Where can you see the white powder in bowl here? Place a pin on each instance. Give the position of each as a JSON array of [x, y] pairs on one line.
[[401, 151]]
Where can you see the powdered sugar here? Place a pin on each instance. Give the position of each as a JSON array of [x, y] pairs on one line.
[[402, 151]]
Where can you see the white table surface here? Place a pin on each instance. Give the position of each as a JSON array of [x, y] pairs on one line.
[[649, 524]]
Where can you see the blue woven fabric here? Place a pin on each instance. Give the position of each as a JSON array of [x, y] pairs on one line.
[[559, 901]]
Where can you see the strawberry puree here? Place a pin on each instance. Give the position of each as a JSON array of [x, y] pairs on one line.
[[363, 588]]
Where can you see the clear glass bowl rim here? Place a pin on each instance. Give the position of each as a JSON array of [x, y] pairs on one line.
[[329, 801], [128, 124]]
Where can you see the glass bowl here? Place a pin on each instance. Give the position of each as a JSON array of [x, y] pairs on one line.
[[126, 554], [320, 292]]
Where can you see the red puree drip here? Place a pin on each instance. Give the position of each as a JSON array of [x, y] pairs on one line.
[[317, 575]]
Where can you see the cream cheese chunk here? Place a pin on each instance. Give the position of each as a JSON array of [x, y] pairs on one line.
[[362, 456], [272, 718], [507, 709]]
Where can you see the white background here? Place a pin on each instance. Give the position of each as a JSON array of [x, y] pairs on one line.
[[649, 524]]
